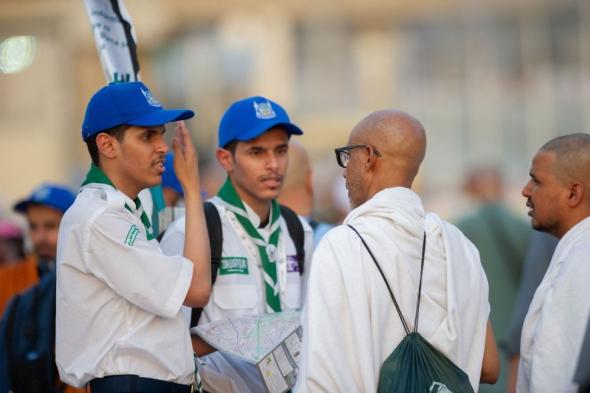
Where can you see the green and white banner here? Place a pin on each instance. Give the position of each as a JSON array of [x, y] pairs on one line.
[[115, 39]]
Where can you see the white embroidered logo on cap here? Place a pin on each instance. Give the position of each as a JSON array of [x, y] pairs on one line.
[[153, 101], [41, 194], [264, 110]]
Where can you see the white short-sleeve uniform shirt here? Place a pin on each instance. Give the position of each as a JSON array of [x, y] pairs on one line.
[[118, 295]]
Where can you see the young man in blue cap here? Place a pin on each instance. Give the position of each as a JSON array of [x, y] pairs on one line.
[[259, 271], [118, 296], [44, 209], [26, 333]]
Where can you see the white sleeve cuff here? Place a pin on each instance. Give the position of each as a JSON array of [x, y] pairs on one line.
[[176, 299]]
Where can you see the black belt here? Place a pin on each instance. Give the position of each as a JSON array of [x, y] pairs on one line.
[[136, 384]]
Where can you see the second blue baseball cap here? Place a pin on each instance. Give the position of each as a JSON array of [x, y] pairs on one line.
[[52, 195], [130, 103], [169, 179], [248, 118]]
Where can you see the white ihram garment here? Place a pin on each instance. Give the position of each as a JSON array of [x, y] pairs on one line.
[[350, 325], [555, 324]]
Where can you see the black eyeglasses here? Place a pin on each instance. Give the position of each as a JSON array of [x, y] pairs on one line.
[[343, 153]]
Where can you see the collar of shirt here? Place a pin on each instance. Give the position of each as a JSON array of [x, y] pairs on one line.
[[102, 186], [566, 242]]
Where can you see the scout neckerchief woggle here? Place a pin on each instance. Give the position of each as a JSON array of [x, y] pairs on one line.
[[267, 250], [96, 175]]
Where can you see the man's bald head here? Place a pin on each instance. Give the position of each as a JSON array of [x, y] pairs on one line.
[[572, 157], [401, 141], [398, 136]]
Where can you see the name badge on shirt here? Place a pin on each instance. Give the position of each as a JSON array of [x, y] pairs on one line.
[[131, 235], [233, 265]]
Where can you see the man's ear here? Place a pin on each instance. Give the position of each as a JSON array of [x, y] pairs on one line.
[[371, 159], [225, 159], [106, 145], [576, 194]]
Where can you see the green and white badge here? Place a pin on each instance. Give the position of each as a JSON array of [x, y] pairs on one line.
[[131, 235], [233, 265]]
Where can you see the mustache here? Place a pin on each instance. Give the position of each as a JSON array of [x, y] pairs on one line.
[[159, 160], [529, 203], [271, 177]]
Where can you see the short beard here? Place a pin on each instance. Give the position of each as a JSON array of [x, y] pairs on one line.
[[547, 228]]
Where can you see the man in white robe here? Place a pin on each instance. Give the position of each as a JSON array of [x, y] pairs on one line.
[[558, 196], [349, 321]]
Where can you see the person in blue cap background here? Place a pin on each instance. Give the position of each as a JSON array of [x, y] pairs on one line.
[[260, 270], [118, 297], [44, 209], [27, 336]]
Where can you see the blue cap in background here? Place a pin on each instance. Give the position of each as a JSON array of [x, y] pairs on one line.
[[169, 179], [129, 103], [249, 118], [52, 195]]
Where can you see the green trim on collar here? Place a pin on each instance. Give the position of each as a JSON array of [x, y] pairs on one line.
[[96, 175]]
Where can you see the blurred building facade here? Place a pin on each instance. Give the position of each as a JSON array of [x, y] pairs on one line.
[[491, 79]]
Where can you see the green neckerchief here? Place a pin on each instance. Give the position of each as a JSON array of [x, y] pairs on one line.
[[96, 175], [267, 250]]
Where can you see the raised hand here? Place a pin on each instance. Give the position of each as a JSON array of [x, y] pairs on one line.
[[185, 158]]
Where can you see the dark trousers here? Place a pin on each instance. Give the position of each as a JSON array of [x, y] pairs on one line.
[[136, 384]]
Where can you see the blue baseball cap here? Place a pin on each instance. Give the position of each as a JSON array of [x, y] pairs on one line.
[[248, 118], [129, 103], [169, 179], [52, 195]]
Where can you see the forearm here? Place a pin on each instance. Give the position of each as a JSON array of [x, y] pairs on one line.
[[200, 347], [490, 369], [196, 239], [196, 249]]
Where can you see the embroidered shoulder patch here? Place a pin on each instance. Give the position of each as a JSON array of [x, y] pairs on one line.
[[131, 235], [233, 265]]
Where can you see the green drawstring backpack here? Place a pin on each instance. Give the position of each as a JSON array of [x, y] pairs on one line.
[[415, 366]]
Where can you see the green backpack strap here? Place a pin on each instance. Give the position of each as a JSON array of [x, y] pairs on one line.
[[216, 244], [296, 233]]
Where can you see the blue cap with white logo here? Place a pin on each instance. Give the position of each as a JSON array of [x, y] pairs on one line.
[[249, 118], [52, 195], [129, 103]]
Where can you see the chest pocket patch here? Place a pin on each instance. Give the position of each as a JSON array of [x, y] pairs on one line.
[[233, 265]]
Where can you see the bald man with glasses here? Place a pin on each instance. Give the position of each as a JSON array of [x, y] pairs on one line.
[[350, 324]]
